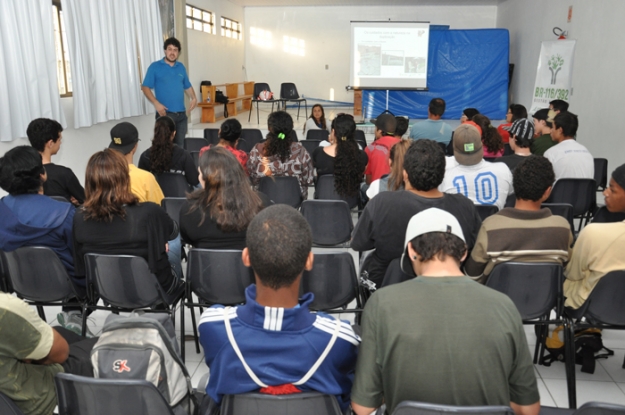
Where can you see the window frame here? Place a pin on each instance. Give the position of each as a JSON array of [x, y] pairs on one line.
[[58, 19], [236, 34], [193, 19]]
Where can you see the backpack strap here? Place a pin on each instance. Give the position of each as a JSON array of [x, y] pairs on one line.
[[255, 378]]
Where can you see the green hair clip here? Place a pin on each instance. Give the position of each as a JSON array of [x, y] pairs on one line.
[[281, 136]]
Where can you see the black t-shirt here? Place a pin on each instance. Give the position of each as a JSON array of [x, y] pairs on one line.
[[62, 182], [511, 161], [181, 162], [383, 224], [324, 163]]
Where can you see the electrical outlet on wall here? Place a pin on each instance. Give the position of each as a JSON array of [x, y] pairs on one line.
[[327, 66]]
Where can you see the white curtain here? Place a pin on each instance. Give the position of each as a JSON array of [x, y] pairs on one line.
[[106, 41], [28, 83]]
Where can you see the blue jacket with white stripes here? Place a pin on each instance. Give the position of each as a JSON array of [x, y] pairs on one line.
[[280, 345]]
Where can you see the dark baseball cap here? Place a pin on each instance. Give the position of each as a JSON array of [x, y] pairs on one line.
[[124, 136], [542, 114]]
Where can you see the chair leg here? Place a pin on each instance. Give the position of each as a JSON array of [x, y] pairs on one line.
[[249, 117], [569, 355], [41, 313], [182, 337], [306, 109], [299, 105], [257, 114], [195, 333]]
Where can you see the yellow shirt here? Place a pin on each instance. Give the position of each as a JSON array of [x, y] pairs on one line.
[[144, 185]]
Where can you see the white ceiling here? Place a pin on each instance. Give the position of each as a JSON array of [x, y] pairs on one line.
[[283, 3]]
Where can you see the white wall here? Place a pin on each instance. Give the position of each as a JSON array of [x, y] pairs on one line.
[[326, 33], [598, 88]]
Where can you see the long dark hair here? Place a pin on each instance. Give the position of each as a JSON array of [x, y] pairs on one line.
[[107, 186], [490, 136], [279, 138], [348, 167], [322, 120], [227, 194], [162, 146]]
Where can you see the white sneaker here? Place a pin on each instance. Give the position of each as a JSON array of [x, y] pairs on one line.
[[72, 320]]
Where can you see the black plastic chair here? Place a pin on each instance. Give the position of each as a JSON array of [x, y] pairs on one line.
[[5, 281], [211, 135], [196, 157], [600, 408], [258, 88], [173, 184], [330, 221], [359, 135], [394, 274], [486, 210], [324, 190], [510, 200], [79, 395], [562, 209], [8, 407], [535, 288], [125, 283], [603, 215], [334, 283], [601, 173], [306, 403], [422, 408], [216, 277], [37, 275], [282, 189], [59, 199], [194, 143], [249, 138], [320, 135], [310, 145], [288, 93], [580, 193], [172, 206]]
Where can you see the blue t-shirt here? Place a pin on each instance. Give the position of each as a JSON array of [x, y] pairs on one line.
[[434, 130], [169, 84]]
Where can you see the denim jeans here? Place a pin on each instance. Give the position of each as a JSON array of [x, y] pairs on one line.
[[175, 256], [180, 118]]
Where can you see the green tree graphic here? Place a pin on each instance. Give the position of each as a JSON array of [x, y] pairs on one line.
[[554, 64]]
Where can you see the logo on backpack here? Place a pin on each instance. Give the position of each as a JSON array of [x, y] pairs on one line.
[[120, 366]]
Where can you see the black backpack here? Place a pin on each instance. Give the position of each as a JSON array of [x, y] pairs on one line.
[[588, 344], [220, 97]]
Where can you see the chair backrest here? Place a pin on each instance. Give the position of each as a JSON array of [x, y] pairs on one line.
[[8, 407], [330, 221], [249, 138], [534, 287], [5, 282], [288, 90], [59, 199], [562, 209], [310, 145], [211, 135], [333, 280], [600, 408], [359, 135], [315, 134], [218, 276], [173, 184], [282, 189], [195, 155], [260, 87], [172, 206], [486, 210], [603, 215], [510, 200], [194, 143], [324, 190], [606, 302], [578, 192], [37, 274], [421, 408], [306, 403], [123, 281], [601, 173], [79, 395], [394, 274]]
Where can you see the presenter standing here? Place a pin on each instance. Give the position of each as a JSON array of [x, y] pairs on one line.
[[170, 82]]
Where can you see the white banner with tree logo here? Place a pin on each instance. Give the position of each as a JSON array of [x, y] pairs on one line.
[[554, 73]]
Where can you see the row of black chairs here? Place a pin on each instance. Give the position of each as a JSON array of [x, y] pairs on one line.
[[288, 93]]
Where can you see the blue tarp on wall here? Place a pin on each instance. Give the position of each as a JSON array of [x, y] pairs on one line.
[[467, 68]]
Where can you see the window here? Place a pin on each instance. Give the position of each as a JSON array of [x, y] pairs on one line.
[[230, 28], [63, 69], [201, 20]]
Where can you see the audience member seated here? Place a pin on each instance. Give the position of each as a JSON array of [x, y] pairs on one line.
[[384, 219], [112, 221], [515, 111], [125, 139], [316, 121], [556, 107], [279, 155], [395, 179], [442, 338], [521, 139], [433, 128], [166, 157], [342, 157], [401, 126], [45, 136], [542, 131], [33, 352], [273, 342], [526, 232], [378, 151], [570, 159], [599, 247], [229, 135], [468, 114], [483, 182], [217, 215], [491, 140]]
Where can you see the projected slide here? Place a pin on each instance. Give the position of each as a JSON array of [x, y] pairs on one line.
[[389, 54]]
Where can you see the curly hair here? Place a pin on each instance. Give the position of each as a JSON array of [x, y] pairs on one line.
[[396, 177], [439, 245], [279, 138], [226, 195], [162, 145], [532, 177], [348, 167], [230, 131], [490, 136], [424, 163], [21, 170]]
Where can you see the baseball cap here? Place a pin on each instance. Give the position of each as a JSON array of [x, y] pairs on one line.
[[542, 114], [468, 145], [124, 136], [426, 221], [522, 128], [386, 122]]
